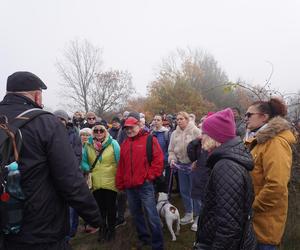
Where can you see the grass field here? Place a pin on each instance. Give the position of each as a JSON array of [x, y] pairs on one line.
[[126, 238]]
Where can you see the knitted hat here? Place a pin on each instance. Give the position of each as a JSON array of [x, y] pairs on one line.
[[220, 126], [85, 131], [135, 115], [61, 114], [116, 119]]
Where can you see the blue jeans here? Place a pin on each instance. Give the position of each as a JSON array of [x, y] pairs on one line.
[[265, 247], [185, 182], [74, 220], [142, 199]]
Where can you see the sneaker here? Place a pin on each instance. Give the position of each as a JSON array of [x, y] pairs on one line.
[[187, 219], [195, 224], [120, 223]]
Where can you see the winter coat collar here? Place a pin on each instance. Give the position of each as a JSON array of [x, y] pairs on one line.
[[188, 128], [19, 99], [275, 126], [162, 129], [234, 150]]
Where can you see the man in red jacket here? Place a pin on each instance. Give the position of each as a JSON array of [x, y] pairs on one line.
[[135, 176]]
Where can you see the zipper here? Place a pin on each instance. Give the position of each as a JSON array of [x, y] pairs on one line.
[[131, 142]]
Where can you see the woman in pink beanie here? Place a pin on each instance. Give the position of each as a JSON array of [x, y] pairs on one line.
[[226, 221]]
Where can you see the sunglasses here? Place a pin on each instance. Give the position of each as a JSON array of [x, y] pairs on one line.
[[101, 130], [248, 114], [91, 118], [84, 134]]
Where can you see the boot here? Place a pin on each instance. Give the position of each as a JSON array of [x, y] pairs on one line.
[[102, 234], [110, 235]]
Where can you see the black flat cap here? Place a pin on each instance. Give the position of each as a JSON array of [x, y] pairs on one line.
[[24, 81]]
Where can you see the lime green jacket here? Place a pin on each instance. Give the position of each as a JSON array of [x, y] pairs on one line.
[[104, 172]]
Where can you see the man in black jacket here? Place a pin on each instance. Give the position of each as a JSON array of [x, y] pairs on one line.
[[50, 177]]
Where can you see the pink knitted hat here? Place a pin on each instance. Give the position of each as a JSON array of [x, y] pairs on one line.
[[220, 126]]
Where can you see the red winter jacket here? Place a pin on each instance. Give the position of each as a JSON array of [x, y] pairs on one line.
[[133, 169]]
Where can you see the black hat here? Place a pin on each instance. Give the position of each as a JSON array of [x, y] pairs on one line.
[[24, 81], [116, 119], [135, 115]]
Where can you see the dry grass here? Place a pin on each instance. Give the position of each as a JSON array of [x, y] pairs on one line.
[[126, 238]]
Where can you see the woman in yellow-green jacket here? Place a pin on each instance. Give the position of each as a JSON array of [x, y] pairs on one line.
[[269, 138], [100, 156]]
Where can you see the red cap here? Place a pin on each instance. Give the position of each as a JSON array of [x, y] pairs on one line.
[[130, 122]]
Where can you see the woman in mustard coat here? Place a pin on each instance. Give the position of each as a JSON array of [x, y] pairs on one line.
[[269, 138]]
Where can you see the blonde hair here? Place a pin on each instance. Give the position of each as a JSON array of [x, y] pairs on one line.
[[209, 143], [184, 114]]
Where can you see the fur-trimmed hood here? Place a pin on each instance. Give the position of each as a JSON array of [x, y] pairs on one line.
[[277, 126]]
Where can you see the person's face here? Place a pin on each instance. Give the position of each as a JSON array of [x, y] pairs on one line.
[[84, 138], [181, 121], [235, 113], [157, 121], [91, 120], [99, 133], [132, 131], [254, 118], [115, 124], [77, 116], [62, 121]]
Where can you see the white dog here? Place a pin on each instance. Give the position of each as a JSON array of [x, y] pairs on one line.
[[169, 212]]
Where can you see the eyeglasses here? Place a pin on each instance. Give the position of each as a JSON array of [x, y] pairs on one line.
[[85, 134], [248, 114], [101, 130], [91, 118]]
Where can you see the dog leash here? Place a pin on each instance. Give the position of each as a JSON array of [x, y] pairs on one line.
[[170, 182]]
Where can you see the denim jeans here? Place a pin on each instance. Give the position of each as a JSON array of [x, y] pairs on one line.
[[185, 182], [74, 220], [141, 199], [265, 247]]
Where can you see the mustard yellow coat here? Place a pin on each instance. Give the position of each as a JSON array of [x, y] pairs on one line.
[[272, 154]]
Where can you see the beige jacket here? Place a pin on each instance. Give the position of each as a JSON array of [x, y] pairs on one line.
[[179, 142]]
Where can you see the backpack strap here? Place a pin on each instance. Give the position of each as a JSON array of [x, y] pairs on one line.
[[27, 116], [149, 148]]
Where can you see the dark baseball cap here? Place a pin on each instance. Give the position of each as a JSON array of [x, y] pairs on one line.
[[24, 81]]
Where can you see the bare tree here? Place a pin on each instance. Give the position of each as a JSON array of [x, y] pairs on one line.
[[81, 60], [111, 90]]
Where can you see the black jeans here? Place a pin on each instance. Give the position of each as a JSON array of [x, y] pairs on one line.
[[106, 200], [121, 205]]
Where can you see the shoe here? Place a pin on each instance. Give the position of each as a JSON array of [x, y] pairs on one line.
[[187, 219], [102, 234], [110, 235], [120, 223], [195, 224]]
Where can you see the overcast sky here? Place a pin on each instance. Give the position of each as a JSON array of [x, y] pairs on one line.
[[136, 34]]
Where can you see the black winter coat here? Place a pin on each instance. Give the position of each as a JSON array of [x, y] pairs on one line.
[[75, 141], [228, 199], [200, 175], [50, 178]]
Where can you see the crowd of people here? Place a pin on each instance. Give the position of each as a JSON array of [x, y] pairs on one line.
[[231, 171]]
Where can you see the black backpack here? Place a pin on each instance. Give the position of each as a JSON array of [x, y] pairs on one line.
[[11, 138], [160, 184]]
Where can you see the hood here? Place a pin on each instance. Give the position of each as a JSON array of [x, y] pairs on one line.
[[276, 127], [162, 129], [234, 150], [190, 126]]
